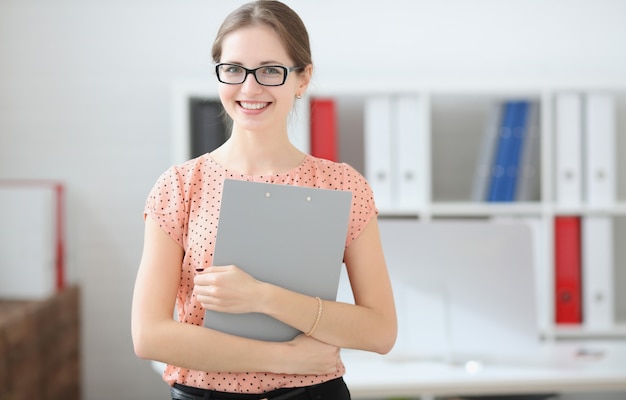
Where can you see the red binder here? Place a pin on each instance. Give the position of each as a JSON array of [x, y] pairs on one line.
[[568, 272], [324, 129], [60, 236]]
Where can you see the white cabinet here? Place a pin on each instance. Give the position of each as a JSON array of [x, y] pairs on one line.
[[450, 126], [450, 149]]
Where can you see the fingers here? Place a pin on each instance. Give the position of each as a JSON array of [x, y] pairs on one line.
[[205, 288], [212, 276], [225, 288], [321, 358]]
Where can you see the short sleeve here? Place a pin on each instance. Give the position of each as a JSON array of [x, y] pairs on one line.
[[363, 208], [167, 206]]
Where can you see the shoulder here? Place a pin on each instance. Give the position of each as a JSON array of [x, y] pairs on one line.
[[191, 172], [342, 176], [181, 182], [338, 175]]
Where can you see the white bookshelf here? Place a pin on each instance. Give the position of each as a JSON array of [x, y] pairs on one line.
[[446, 107]]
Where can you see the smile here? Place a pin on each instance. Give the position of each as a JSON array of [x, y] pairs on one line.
[[253, 106]]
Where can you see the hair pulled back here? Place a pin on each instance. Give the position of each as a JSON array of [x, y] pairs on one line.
[[278, 16]]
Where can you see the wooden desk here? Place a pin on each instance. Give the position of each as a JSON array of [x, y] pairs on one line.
[[40, 354]]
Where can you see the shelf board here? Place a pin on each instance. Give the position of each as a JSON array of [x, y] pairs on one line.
[[582, 332], [463, 209], [400, 213], [617, 209], [471, 209]]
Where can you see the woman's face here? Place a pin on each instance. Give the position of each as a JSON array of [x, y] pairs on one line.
[[254, 107]]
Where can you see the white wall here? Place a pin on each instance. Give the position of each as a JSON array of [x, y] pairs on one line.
[[84, 98]]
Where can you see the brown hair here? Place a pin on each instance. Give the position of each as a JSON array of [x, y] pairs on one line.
[[282, 19]]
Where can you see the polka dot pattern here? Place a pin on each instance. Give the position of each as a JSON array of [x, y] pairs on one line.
[[185, 202]]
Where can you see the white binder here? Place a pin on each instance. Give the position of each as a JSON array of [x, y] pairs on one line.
[[487, 150], [409, 134], [378, 149], [299, 125], [528, 188], [568, 149], [599, 150], [597, 253]]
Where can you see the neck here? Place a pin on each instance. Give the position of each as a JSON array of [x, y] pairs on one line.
[[251, 153]]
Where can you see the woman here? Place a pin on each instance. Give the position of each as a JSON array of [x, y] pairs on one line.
[[263, 66]]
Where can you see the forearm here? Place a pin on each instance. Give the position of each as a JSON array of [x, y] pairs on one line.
[[369, 324], [156, 336], [340, 324], [202, 349], [356, 327]]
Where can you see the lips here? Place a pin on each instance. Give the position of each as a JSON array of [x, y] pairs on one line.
[[253, 106]]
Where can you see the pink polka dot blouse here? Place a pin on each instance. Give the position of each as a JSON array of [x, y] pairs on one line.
[[185, 202]]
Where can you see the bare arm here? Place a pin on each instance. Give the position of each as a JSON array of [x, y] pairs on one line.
[[157, 336], [370, 324]]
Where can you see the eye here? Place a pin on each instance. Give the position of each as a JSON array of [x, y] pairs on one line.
[[272, 71], [233, 69]]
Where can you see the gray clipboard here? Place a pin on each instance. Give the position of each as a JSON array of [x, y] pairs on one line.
[[290, 236]]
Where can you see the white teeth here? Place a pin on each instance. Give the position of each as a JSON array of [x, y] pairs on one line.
[[253, 106]]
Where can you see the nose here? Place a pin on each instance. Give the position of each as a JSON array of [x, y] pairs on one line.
[[250, 85]]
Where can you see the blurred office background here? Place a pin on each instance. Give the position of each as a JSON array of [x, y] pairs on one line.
[[85, 99]]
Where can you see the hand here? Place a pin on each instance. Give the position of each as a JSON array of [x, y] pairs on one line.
[[312, 357], [227, 289]]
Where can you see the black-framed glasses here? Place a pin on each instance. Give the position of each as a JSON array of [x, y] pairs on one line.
[[267, 75]]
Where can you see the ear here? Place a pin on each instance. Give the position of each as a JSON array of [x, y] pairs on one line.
[[304, 79]]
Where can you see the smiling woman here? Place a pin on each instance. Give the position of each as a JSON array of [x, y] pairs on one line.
[[263, 65], [261, 104]]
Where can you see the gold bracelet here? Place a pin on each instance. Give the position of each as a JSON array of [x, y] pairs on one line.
[[320, 308]]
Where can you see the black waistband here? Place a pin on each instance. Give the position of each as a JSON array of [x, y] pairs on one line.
[[183, 392]]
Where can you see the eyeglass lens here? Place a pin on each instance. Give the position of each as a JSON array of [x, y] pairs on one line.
[[271, 75]]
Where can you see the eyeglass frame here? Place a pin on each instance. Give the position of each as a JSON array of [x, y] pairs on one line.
[[253, 72]]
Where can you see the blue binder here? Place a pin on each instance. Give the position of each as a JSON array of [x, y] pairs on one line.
[[506, 165], [513, 160], [498, 169]]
